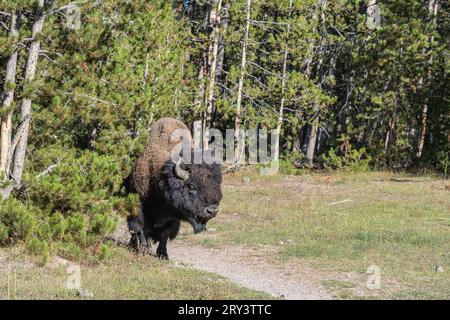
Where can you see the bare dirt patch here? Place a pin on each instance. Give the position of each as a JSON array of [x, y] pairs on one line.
[[247, 267]]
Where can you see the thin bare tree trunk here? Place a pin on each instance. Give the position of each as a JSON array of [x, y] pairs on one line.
[[283, 89], [296, 144], [312, 143], [308, 71], [423, 131], [221, 51], [201, 89], [389, 134], [25, 110], [237, 122], [314, 126], [212, 72], [10, 81], [225, 19], [433, 11], [370, 10]]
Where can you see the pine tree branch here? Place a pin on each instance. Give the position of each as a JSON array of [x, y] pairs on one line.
[[48, 170]]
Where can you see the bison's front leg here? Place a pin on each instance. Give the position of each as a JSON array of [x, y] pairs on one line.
[[161, 251], [170, 230], [138, 239], [140, 244]]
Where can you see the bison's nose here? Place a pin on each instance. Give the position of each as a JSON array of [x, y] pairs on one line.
[[211, 211]]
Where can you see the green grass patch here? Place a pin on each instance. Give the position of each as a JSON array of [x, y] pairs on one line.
[[123, 276], [397, 222]]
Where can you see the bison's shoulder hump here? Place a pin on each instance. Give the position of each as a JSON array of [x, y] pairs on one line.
[[161, 143]]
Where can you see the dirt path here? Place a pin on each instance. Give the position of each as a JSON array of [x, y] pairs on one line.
[[247, 268]]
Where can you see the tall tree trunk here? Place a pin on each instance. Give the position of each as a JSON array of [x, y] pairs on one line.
[[433, 11], [312, 143], [423, 130], [239, 147], [221, 52], [305, 133], [314, 125], [25, 110], [10, 81], [215, 18], [389, 134], [225, 18], [296, 143], [202, 73], [201, 78], [283, 88], [371, 17]]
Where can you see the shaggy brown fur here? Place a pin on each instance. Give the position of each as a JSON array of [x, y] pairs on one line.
[[160, 144], [171, 192]]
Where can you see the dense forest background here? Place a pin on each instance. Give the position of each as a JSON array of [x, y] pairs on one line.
[[357, 84]]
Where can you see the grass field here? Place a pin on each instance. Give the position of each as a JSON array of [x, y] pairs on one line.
[[330, 228], [342, 224], [124, 276]]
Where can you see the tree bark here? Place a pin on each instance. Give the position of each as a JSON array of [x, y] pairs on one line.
[[215, 17], [25, 110], [371, 13], [423, 131], [312, 143], [237, 123], [389, 134], [433, 11], [296, 145], [283, 88], [10, 81], [221, 52], [314, 125]]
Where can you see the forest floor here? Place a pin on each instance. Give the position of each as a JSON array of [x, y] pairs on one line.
[[340, 236]]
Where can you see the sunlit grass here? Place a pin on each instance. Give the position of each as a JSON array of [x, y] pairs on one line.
[[345, 222], [124, 276]]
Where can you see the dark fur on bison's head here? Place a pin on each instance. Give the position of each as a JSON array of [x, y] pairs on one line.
[[193, 190]]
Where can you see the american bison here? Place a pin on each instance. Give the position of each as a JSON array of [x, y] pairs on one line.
[[171, 192]]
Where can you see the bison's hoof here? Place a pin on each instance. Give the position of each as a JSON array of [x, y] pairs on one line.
[[162, 255], [140, 245], [143, 250]]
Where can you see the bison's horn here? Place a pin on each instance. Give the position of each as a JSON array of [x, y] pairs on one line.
[[182, 174]]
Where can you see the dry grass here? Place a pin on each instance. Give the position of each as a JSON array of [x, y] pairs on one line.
[[124, 276], [343, 223], [329, 228]]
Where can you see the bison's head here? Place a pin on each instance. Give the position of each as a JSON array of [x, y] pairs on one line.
[[193, 191]]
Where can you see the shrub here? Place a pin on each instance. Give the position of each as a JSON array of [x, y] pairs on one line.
[[290, 163], [353, 160], [17, 221], [69, 210], [443, 162]]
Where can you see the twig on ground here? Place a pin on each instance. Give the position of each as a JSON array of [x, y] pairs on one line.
[[340, 202], [232, 168], [262, 199]]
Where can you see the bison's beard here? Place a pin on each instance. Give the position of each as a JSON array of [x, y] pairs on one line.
[[198, 224]]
